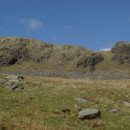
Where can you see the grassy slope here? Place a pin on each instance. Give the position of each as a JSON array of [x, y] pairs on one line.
[[112, 66], [56, 59], [39, 106], [34, 45]]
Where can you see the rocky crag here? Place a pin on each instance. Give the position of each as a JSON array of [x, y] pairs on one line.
[[32, 57]]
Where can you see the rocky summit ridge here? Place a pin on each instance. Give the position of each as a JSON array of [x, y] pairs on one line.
[[32, 57]]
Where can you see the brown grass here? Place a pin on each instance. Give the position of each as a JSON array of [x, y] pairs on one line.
[[39, 106]]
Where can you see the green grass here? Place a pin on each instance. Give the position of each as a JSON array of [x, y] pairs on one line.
[[39, 106], [112, 66]]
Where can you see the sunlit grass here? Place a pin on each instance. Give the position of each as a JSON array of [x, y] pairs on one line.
[[39, 106]]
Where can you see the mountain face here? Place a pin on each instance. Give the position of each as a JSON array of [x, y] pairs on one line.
[[18, 50], [27, 56], [121, 52]]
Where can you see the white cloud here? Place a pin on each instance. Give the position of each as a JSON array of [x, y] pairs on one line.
[[32, 23], [105, 49], [35, 23]]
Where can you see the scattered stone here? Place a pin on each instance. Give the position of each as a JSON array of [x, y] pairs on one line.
[[76, 106], [88, 114], [81, 99], [66, 111], [14, 85], [127, 104], [14, 77], [114, 110], [2, 81]]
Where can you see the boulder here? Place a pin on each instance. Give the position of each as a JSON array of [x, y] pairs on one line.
[[81, 99], [2, 81], [88, 114], [14, 85], [14, 77]]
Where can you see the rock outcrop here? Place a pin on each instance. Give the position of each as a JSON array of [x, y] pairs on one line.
[[121, 52], [14, 85], [37, 58], [18, 50], [90, 61], [89, 114]]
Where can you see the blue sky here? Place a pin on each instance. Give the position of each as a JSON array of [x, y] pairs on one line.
[[94, 24]]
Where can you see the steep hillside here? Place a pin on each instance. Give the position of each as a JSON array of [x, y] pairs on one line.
[[32, 57]]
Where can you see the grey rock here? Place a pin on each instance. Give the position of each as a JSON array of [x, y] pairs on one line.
[[14, 85], [114, 110], [76, 106], [89, 114], [89, 60], [81, 99], [2, 81], [14, 77], [127, 104]]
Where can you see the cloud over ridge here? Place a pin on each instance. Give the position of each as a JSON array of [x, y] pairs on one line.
[[105, 49]]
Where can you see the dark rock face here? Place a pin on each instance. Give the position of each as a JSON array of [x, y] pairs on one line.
[[90, 60], [121, 52], [23, 49], [14, 54]]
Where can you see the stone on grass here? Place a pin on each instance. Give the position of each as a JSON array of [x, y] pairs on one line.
[[14, 85], [127, 104], [81, 99], [114, 110], [2, 81], [14, 77], [88, 114], [76, 106]]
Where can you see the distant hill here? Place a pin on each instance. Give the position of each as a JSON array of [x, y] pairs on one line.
[[32, 57]]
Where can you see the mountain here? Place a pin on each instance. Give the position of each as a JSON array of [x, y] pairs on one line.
[[36, 58]]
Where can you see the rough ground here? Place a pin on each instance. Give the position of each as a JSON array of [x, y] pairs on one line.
[[49, 104]]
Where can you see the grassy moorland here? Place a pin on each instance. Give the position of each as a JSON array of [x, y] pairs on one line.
[[42, 103]]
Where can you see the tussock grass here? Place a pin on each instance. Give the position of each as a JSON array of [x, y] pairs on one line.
[[40, 105]]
